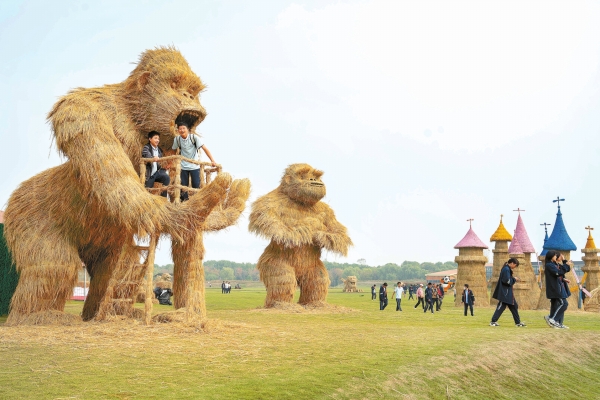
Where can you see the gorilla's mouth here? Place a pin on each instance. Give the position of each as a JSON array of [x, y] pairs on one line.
[[191, 118], [318, 184]]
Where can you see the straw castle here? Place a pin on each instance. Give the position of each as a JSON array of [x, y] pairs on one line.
[[299, 225], [90, 208]]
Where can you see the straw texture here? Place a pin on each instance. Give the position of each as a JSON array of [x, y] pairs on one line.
[[299, 225], [90, 208], [350, 285], [471, 270]]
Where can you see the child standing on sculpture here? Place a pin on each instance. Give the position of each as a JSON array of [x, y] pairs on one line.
[[299, 225], [189, 146]]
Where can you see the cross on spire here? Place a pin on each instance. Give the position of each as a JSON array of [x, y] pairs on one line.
[[590, 229], [501, 215], [519, 210], [558, 200], [470, 220], [545, 225]]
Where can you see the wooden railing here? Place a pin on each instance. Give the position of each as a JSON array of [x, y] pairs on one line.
[[175, 188]]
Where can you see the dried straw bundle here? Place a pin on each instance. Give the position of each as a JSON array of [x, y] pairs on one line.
[[89, 208], [299, 225], [592, 303], [500, 256], [471, 270]]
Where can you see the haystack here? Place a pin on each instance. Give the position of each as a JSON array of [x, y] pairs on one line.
[[522, 289], [591, 266], [527, 292], [592, 304], [298, 225], [471, 268], [501, 237], [94, 204], [350, 285]]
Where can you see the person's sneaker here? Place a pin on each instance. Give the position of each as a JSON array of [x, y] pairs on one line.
[[547, 319], [494, 324], [520, 324], [564, 327], [553, 322]]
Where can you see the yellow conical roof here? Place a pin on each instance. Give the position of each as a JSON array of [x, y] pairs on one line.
[[501, 233], [590, 242]]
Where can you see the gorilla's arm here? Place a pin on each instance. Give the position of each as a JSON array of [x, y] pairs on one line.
[[105, 174], [227, 213], [335, 237]]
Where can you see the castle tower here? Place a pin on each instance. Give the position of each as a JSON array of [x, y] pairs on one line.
[[522, 289], [471, 267], [501, 237], [543, 303], [590, 258], [559, 240], [528, 285]]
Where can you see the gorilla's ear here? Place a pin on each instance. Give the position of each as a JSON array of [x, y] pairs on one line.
[[143, 80]]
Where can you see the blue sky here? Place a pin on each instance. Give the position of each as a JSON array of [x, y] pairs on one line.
[[422, 114]]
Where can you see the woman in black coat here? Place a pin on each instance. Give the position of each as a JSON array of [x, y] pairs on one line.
[[504, 293], [557, 288]]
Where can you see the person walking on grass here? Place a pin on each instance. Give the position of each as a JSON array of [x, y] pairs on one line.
[[374, 292], [383, 297], [504, 294], [398, 291], [557, 288], [410, 292], [434, 297], [440, 295], [468, 299], [428, 298], [420, 297]]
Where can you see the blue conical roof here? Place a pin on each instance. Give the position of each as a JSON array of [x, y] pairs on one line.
[[544, 251], [559, 239]]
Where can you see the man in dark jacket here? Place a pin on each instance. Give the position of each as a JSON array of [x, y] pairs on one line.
[[383, 299], [468, 299], [504, 293], [154, 172], [428, 298]]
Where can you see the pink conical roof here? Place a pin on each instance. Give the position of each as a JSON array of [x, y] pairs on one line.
[[515, 246], [522, 237], [470, 240]]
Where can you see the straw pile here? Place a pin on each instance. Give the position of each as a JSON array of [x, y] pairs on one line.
[[592, 303], [501, 236], [299, 225], [89, 208], [471, 270], [314, 308], [591, 267], [350, 285]]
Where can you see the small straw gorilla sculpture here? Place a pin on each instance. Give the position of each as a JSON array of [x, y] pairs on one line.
[[299, 226], [89, 208]]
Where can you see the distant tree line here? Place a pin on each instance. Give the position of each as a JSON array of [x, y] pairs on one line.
[[409, 270]]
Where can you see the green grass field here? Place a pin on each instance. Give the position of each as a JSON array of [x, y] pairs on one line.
[[358, 352]]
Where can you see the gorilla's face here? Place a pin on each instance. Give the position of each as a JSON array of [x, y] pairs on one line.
[[171, 101], [302, 183], [163, 91]]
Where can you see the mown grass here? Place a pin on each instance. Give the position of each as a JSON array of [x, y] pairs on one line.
[[273, 354]]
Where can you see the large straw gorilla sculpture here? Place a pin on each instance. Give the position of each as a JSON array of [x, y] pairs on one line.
[[89, 208], [299, 226]]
